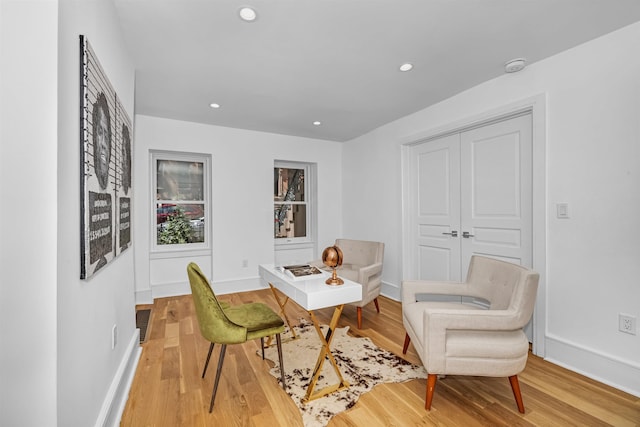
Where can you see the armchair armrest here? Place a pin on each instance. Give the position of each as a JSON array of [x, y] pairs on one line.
[[365, 273], [412, 288], [471, 320], [437, 323]]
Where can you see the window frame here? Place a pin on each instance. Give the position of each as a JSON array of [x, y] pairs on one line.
[[310, 190], [166, 249]]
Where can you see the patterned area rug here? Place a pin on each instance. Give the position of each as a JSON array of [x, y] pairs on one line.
[[361, 362]]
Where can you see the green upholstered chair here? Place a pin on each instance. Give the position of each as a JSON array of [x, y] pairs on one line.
[[223, 324]]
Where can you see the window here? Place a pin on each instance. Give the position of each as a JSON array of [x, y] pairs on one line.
[[292, 202], [181, 203]]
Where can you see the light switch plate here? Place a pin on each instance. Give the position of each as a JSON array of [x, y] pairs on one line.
[[562, 210]]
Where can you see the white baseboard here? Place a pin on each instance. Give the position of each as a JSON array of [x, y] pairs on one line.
[[182, 288], [118, 393], [144, 297], [239, 285], [607, 369], [224, 287], [391, 291]]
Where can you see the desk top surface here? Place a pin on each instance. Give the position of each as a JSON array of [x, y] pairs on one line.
[[311, 293]]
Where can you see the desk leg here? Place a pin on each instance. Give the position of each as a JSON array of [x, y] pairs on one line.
[[325, 352], [281, 304]]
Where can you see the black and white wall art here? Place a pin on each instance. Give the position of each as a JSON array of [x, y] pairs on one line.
[[106, 167]]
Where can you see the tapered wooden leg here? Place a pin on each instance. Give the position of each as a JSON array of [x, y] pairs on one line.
[[431, 387], [407, 340], [262, 346], [206, 364], [515, 386], [218, 373], [359, 317], [375, 301]]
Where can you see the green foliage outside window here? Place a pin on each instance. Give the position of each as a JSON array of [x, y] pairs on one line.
[[176, 230]]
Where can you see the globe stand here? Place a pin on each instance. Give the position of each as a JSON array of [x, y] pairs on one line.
[[332, 258], [334, 279]]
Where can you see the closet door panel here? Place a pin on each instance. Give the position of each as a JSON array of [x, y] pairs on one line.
[[496, 191], [435, 209]]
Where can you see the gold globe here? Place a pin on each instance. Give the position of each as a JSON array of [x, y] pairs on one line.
[[332, 258]]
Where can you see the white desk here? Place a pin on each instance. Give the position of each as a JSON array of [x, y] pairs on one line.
[[312, 294]]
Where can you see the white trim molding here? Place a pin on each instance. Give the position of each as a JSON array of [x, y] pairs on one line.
[[605, 368], [171, 289], [118, 393]]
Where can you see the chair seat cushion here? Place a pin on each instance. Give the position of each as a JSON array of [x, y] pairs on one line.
[[259, 319], [487, 344]]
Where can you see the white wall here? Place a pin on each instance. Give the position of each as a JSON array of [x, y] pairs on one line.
[[593, 163], [56, 362], [242, 199], [90, 373], [28, 81]]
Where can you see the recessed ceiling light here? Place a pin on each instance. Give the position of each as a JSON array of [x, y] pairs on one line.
[[248, 14], [317, 123], [214, 105], [515, 65], [406, 67]]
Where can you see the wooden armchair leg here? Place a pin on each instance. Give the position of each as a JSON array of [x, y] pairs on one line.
[[515, 386], [359, 317], [431, 387], [407, 340], [375, 301]]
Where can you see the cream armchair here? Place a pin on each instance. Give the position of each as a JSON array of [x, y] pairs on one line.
[[462, 338], [361, 263]]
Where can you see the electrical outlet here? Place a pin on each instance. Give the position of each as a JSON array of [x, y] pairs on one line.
[[627, 323], [114, 336]]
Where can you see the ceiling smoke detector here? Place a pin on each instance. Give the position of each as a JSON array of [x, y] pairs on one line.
[[515, 65]]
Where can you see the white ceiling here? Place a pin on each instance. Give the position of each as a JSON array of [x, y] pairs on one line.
[[337, 61]]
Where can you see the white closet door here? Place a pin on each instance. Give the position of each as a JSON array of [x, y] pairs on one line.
[[435, 209], [496, 191], [471, 193]]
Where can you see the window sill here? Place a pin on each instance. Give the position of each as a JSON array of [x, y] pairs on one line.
[[179, 253], [289, 244]]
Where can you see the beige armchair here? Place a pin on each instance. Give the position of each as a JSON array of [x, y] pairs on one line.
[[463, 338], [361, 263]]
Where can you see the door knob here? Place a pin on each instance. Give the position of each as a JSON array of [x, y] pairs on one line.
[[466, 234], [453, 233]]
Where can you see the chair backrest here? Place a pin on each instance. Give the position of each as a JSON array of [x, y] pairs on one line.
[[214, 324], [505, 285], [361, 252]]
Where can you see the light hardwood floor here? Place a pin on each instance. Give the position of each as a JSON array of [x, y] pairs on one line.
[[167, 389]]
